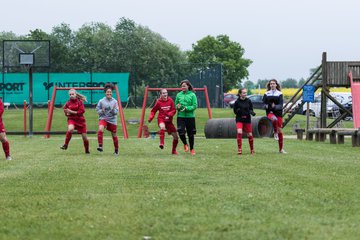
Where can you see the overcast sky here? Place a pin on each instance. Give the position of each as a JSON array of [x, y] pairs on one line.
[[284, 38]]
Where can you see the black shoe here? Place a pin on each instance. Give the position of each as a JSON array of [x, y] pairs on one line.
[[87, 152], [161, 146], [116, 153], [64, 147], [100, 149]]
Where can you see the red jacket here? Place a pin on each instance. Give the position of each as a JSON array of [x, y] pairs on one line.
[[166, 110], [75, 105]]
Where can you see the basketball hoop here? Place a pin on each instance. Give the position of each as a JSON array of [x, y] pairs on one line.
[[22, 53], [26, 54]]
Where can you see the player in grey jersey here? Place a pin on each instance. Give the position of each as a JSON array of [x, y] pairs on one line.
[[108, 108]]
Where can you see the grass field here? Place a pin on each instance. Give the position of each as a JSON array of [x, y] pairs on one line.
[[312, 192], [14, 120]]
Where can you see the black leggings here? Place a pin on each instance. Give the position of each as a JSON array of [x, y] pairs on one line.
[[186, 125]]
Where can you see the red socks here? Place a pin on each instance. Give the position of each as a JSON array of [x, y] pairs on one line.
[[162, 136], [100, 136], [239, 140], [86, 145], [251, 143], [116, 143], [174, 144], [274, 123], [281, 141], [68, 137], [6, 148], [239, 143]]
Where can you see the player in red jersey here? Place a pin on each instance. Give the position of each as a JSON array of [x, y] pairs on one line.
[[3, 138], [74, 111], [166, 107]]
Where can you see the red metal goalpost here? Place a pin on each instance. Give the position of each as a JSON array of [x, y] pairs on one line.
[[52, 103], [147, 89]]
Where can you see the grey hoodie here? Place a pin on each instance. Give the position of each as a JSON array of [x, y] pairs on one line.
[[107, 110]]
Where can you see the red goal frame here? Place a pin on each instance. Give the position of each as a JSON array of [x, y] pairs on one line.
[[52, 103], [147, 89]]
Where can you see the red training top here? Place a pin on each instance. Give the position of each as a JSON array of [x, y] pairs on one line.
[[166, 110], [75, 105]]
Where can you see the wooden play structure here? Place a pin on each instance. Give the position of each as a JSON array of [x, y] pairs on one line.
[[329, 74]]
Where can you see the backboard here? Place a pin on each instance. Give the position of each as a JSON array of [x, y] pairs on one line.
[[17, 53]]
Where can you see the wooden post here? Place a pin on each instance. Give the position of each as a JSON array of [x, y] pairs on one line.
[[323, 112], [307, 119], [333, 137], [341, 139], [309, 136]]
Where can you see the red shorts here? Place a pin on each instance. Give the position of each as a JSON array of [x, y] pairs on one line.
[[2, 127], [279, 120], [170, 128], [108, 126], [246, 127], [80, 126]]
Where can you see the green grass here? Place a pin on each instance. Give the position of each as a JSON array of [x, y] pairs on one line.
[[46, 193], [14, 120]]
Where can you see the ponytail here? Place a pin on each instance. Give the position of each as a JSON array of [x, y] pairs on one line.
[[78, 95], [81, 97]]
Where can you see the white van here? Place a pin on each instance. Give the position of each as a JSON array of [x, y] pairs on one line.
[[331, 108], [342, 97]]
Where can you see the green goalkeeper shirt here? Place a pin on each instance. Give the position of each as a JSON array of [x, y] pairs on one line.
[[188, 103]]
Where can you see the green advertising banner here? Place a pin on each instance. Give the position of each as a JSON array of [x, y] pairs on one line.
[[14, 87]]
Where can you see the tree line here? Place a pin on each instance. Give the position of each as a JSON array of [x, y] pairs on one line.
[[130, 47], [288, 83]]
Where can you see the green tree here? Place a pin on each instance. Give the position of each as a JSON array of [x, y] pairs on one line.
[[221, 50], [92, 46], [301, 82], [5, 36], [249, 85], [155, 59], [289, 83], [37, 34], [62, 54], [125, 42], [262, 83], [128, 47]]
